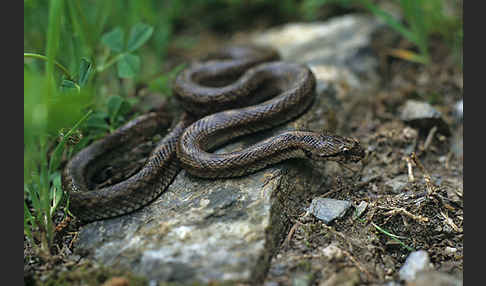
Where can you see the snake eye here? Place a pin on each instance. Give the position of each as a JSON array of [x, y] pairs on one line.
[[344, 148]]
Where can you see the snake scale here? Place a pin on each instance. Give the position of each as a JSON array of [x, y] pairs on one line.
[[236, 91]]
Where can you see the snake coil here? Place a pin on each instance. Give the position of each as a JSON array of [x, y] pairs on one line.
[[236, 91]]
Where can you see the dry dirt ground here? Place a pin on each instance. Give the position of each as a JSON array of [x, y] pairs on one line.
[[411, 185]]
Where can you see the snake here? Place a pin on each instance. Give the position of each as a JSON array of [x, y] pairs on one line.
[[235, 91]]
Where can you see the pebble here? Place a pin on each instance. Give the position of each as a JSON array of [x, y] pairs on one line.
[[328, 209], [414, 109], [333, 252], [416, 261], [397, 184], [450, 250], [423, 116], [361, 208], [459, 110]]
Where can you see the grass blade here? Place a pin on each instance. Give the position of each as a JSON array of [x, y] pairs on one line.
[[391, 21], [85, 69], [393, 237]]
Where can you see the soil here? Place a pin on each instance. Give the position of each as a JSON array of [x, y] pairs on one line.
[[411, 183]]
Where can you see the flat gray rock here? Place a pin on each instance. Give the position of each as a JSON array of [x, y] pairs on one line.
[[328, 210], [228, 230]]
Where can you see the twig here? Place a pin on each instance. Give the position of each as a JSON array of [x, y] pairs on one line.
[[428, 180], [291, 233], [429, 138], [407, 213], [449, 221], [411, 178]]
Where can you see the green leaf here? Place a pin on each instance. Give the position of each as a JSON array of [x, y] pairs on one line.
[[114, 104], [114, 39], [117, 106], [139, 34], [98, 121], [163, 82], [28, 219], [85, 69], [128, 66], [57, 196], [27, 215], [33, 191], [66, 83]]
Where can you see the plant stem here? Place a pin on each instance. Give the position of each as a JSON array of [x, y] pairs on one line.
[[110, 62], [58, 65]]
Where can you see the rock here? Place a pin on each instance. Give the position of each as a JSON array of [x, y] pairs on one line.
[[457, 146], [434, 278], [228, 230], [198, 230], [423, 116], [333, 252], [450, 250], [416, 261], [360, 209], [397, 184], [459, 110], [338, 51], [418, 110], [328, 209]]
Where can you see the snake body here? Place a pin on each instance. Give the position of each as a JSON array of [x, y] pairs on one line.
[[238, 91]]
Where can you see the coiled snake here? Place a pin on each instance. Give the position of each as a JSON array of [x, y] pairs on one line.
[[256, 92]]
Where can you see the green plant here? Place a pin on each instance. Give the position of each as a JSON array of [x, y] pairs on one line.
[[421, 20], [43, 188], [57, 99], [416, 31], [128, 63]]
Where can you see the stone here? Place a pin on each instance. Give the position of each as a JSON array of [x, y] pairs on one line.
[[337, 50], [361, 208], [459, 110], [423, 116], [328, 210], [416, 261], [221, 231], [397, 184]]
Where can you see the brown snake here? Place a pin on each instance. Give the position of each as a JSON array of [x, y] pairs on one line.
[[280, 91]]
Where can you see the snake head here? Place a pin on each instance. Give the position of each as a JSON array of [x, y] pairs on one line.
[[337, 148]]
